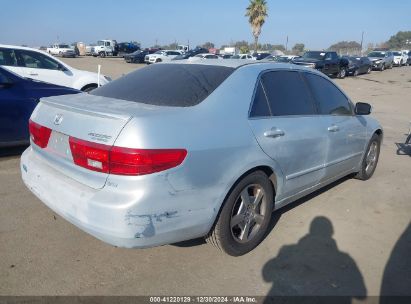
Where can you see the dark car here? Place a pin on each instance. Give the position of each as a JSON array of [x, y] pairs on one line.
[[137, 56], [327, 62], [191, 53], [260, 56], [226, 56], [124, 48], [358, 65], [409, 58], [18, 98]]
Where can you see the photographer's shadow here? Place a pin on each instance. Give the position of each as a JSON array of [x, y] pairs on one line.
[[315, 267]]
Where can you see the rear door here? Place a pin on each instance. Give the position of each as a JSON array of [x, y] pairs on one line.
[[286, 125], [44, 68], [346, 132]]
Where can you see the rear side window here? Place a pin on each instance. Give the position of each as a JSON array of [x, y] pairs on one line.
[[174, 85], [287, 94], [330, 99], [7, 57], [37, 60], [260, 105]]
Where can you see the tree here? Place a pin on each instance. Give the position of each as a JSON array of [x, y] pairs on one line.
[[399, 40], [208, 45], [298, 48], [346, 47], [256, 13]]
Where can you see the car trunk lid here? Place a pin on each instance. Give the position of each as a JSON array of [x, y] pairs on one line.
[[82, 116]]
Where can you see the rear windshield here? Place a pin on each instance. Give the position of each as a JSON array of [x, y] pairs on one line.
[[174, 85]]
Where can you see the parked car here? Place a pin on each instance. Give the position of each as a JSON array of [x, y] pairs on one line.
[[124, 48], [381, 60], [260, 56], [203, 56], [280, 59], [137, 56], [409, 58], [399, 59], [243, 56], [160, 56], [191, 53], [38, 65], [150, 169], [326, 62], [59, 49], [358, 65], [405, 55], [18, 98], [69, 54], [225, 56]]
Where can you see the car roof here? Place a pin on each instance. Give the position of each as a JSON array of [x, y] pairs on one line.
[[18, 47]]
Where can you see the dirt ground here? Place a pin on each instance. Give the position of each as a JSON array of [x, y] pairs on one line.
[[359, 241]]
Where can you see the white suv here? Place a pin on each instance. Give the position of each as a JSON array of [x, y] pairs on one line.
[[38, 65], [160, 56]]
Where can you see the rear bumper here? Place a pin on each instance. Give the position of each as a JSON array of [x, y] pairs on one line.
[[149, 214]]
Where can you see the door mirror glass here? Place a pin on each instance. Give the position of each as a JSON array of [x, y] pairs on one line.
[[362, 108]]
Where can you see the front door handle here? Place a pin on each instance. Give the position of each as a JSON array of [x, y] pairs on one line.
[[34, 74], [274, 132], [333, 128]]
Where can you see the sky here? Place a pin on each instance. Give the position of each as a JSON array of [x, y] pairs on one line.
[[316, 23]]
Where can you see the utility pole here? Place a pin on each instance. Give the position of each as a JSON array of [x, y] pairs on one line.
[[362, 40], [286, 44]]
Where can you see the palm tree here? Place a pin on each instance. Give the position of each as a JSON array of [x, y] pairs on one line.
[[256, 13]]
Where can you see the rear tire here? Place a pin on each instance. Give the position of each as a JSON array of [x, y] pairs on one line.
[[244, 218], [369, 70], [382, 68], [370, 160]]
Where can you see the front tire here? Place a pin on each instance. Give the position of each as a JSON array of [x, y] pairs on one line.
[[370, 160], [244, 218], [342, 73], [102, 54]]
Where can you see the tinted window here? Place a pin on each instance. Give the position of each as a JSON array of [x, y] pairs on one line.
[[37, 61], [176, 85], [7, 57], [287, 94], [260, 105], [330, 99]]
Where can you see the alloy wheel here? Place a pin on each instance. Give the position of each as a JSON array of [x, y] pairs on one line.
[[371, 158], [248, 213]]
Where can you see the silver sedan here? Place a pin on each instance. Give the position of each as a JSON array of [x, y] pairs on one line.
[[178, 151]]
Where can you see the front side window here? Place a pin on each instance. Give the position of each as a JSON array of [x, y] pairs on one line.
[[287, 94], [36, 60], [7, 57], [330, 99]]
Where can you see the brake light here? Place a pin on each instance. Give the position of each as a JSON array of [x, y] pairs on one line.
[[124, 161], [39, 134]]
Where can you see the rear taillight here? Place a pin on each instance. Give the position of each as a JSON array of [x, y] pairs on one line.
[[124, 161], [39, 135]]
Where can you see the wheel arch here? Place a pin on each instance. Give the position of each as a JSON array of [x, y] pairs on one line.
[[89, 85]]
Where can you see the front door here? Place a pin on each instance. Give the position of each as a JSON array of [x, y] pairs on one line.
[[285, 123], [346, 132]]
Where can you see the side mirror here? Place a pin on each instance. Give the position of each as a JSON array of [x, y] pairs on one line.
[[362, 108]]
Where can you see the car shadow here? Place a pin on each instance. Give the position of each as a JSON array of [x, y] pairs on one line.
[[403, 149], [396, 280], [12, 151], [276, 214], [314, 270]]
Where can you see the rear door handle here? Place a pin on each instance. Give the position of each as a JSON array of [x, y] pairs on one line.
[[333, 128], [274, 132]]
